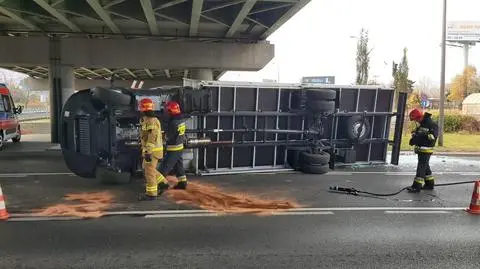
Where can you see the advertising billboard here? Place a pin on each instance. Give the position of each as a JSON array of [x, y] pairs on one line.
[[463, 31]]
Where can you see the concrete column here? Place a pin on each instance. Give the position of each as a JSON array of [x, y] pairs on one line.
[[61, 84], [202, 74]]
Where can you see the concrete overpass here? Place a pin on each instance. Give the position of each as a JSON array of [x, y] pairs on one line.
[[158, 40]]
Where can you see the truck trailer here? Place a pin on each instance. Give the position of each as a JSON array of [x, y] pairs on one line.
[[236, 127]]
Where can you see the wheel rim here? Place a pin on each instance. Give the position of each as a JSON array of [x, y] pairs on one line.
[[356, 128], [1, 140]]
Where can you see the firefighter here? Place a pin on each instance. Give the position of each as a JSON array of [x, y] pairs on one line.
[[175, 137], [423, 138], [152, 150]]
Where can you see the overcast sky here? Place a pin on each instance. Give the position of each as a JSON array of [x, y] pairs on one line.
[[316, 41]]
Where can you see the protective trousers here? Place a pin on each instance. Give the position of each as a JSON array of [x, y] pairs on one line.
[[173, 162], [424, 174], [152, 176]]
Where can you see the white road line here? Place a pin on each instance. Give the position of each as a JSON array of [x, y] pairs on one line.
[[418, 212], [280, 213], [34, 174], [376, 208], [345, 173]]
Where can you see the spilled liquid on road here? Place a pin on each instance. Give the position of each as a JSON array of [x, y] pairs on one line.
[[212, 198], [84, 205]]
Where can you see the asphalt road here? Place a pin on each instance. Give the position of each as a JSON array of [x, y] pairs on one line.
[[372, 239], [427, 230]]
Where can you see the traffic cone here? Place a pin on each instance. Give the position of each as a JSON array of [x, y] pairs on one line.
[[3, 209], [475, 203]]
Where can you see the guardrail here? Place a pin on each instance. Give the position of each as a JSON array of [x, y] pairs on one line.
[[30, 116]]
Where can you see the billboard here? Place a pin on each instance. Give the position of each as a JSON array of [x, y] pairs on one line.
[[463, 31], [319, 80]]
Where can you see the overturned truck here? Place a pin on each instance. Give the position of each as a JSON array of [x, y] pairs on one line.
[[236, 127]]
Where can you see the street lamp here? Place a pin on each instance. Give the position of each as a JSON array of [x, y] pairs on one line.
[[441, 118]]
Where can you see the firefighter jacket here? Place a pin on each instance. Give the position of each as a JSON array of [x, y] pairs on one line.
[[425, 135], [175, 134], [151, 137]]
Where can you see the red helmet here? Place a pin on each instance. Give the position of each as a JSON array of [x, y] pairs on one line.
[[173, 108], [416, 115], [146, 104]]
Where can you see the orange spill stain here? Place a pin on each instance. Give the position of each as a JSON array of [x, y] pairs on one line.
[[215, 199], [89, 205]]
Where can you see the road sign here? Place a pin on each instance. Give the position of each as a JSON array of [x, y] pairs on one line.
[[319, 80], [463, 31]]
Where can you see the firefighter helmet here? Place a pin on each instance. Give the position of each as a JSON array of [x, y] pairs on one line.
[[415, 115], [173, 108], [146, 104]]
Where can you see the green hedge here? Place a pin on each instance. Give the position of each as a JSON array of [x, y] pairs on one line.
[[454, 122]]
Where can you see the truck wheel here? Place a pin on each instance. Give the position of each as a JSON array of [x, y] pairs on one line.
[[2, 142], [321, 106], [315, 158], [112, 96], [321, 94], [354, 127], [18, 137], [315, 169]]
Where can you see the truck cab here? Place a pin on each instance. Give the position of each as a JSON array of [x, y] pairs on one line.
[[9, 123]]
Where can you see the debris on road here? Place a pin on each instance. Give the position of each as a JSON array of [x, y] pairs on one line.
[[91, 205], [215, 199]]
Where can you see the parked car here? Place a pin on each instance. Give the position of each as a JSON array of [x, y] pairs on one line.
[[9, 123]]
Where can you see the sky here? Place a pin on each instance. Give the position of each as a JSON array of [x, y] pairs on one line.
[[317, 40]]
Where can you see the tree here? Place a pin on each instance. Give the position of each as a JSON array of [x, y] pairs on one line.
[[363, 58], [401, 83], [414, 99], [464, 84]]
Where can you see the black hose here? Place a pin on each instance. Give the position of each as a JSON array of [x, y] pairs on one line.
[[356, 192]]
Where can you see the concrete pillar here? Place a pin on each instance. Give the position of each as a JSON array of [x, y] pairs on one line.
[[61, 84], [202, 74]]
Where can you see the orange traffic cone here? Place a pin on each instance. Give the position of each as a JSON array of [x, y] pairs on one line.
[[475, 203], [3, 209]]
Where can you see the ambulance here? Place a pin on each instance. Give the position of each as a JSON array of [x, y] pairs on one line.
[[9, 123]]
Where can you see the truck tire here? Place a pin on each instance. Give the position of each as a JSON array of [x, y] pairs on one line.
[[321, 106], [315, 169], [353, 127], [315, 158], [111, 96], [321, 94]]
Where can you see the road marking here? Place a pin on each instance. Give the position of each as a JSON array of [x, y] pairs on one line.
[[211, 214], [34, 174], [376, 208], [417, 212], [390, 173]]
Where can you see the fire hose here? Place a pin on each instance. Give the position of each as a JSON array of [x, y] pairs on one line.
[[353, 191]]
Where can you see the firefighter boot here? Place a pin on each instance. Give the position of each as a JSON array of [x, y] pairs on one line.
[[182, 183], [162, 187], [416, 186], [429, 183]]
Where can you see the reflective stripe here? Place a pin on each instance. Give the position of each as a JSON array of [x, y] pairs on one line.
[[157, 149], [419, 180], [147, 127], [151, 188], [149, 145], [429, 178], [160, 179], [182, 178], [174, 147], [181, 129], [2, 204], [431, 137]]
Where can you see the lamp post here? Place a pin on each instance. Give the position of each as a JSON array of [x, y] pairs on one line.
[[441, 118]]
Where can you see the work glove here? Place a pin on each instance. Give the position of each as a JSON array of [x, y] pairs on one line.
[[148, 157]]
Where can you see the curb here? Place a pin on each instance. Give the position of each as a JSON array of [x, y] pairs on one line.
[[447, 153], [31, 154]]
